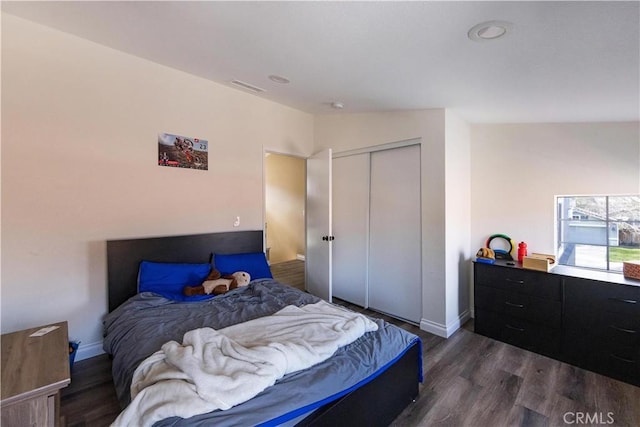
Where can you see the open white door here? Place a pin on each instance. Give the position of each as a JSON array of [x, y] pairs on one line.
[[319, 237]]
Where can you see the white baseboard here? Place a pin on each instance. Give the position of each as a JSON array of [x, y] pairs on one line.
[[444, 331], [457, 323], [85, 351], [433, 328], [300, 257]]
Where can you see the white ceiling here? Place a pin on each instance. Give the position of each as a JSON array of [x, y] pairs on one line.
[[563, 61]]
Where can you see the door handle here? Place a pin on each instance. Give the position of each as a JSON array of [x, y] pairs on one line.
[[514, 305], [626, 301], [622, 359], [514, 328], [628, 331]]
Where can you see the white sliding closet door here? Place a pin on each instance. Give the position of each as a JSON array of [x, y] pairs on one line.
[[350, 227], [395, 233]]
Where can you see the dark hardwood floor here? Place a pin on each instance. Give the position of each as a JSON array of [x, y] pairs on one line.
[[90, 400], [470, 380], [290, 273]]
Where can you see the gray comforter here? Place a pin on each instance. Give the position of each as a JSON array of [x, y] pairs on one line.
[[141, 325]]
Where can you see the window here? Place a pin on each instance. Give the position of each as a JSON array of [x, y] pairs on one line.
[[598, 231]]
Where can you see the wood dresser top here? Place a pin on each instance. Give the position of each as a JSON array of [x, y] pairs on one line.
[[34, 365]]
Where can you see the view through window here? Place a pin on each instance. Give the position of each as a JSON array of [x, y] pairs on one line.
[[598, 231]]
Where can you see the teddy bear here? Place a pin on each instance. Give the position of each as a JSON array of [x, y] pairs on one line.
[[217, 284]]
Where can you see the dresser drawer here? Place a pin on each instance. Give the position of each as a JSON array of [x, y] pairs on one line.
[[520, 306], [608, 357], [596, 321], [579, 350], [487, 323], [518, 332], [531, 336], [620, 363], [491, 299], [604, 312], [625, 346], [604, 296], [622, 322], [541, 285]]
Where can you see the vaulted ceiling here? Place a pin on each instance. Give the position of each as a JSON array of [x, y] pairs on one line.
[[559, 61]]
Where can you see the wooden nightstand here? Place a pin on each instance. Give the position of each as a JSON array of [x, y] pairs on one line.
[[34, 369]]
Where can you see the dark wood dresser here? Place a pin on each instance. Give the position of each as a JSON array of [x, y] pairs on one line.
[[590, 319]]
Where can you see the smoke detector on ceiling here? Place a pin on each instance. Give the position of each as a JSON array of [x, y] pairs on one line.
[[279, 79], [490, 30]]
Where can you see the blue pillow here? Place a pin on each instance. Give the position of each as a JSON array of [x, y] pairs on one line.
[[253, 263], [169, 279]]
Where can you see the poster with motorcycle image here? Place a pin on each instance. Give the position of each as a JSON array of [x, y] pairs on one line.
[[182, 151]]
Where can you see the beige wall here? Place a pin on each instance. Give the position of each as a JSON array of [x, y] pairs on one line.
[[80, 123], [79, 167], [517, 170], [285, 181]]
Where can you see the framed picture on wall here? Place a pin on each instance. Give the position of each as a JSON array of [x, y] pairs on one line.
[[182, 151]]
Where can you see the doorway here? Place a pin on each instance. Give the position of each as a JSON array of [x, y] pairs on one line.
[[285, 189]]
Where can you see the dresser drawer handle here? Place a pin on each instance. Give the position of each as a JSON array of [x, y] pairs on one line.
[[514, 305], [521, 282], [626, 301], [628, 331], [622, 359], [514, 328]]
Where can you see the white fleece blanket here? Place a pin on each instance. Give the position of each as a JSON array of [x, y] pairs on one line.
[[219, 369]]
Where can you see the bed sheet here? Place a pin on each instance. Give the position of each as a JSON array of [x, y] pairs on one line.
[[141, 325]]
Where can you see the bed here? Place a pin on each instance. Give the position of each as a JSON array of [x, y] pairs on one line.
[[366, 382]]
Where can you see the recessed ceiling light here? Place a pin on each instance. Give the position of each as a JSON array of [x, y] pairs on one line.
[[489, 30], [337, 105], [278, 79]]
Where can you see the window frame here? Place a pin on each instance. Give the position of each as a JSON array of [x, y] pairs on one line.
[[607, 221]]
